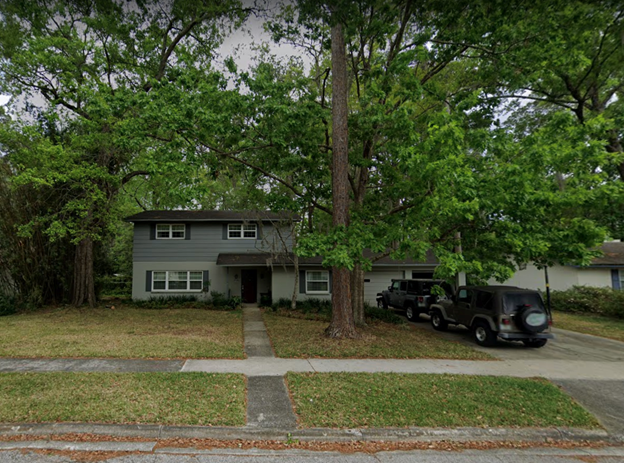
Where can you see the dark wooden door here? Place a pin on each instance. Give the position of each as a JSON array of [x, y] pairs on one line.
[[249, 285]]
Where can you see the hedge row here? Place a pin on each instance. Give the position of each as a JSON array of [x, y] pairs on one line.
[[590, 300], [321, 309]]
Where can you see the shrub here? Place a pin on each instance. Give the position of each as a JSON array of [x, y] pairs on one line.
[[375, 313], [167, 302], [265, 300], [588, 299], [281, 303], [221, 301], [8, 305], [321, 309], [114, 286]]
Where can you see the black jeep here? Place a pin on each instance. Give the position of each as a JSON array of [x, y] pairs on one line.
[[412, 295], [492, 312]]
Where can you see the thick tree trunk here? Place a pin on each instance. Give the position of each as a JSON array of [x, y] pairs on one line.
[[84, 283], [342, 324], [357, 295]]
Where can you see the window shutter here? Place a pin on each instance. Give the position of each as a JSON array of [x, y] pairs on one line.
[[259, 231], [330, 282], [615, 278], [148, 281], [205, 280], [302, 282], [225, 231], [187, 231], [152, 231]]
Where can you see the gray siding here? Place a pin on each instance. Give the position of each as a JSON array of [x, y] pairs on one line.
[[217, 278], [206, 242]]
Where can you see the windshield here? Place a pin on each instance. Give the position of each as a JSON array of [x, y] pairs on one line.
[[513, 301]]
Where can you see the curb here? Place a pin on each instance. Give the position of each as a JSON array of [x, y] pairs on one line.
[[467, 434]]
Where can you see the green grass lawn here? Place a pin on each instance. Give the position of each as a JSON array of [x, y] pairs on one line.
[[157, 398], [300, 338], [354, 400], [125, 332], [605, 327]]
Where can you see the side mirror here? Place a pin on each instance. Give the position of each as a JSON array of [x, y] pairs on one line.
[[389, 288]]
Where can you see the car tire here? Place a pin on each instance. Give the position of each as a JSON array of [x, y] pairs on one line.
[[526, 317], [483, 334], [438, 321], [535, 343], [412, 314], [381, 304]]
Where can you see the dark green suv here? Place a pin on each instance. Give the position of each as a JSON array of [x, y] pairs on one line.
[[415, 296], [492, 312]]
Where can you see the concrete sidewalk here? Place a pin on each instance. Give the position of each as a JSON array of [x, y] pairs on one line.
[[269, 409]]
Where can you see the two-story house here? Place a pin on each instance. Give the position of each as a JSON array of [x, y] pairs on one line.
[[244, 254]]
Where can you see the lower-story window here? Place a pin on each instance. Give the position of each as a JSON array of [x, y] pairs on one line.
[[317, 282], [177, 281]]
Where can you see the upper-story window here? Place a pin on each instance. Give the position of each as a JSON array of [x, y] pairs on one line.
[[170, 232], [242, 232]]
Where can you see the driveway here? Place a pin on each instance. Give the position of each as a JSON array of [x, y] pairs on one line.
[[571, 351], [567, 345]]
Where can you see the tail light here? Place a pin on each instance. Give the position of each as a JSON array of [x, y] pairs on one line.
[[421, 299], [506, 321]]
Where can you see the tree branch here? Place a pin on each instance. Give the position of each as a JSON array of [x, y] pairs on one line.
[[266, 173], [131, 175]]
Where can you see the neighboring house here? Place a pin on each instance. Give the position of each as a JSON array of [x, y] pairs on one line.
[[245, 254], [604, 271]]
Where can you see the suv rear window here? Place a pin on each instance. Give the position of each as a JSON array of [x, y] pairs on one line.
[[513, 301]]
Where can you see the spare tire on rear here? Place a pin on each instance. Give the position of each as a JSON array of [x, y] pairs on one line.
[[532, 319]]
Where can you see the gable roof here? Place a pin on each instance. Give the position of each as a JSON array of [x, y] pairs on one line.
[[211, 216]]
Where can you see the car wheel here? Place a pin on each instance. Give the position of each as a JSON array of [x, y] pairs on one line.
[[532, 320], [381, 304], [412, 314], [535, 343], [483, 334], [438, 322]]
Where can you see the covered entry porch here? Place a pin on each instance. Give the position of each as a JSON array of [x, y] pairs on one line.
[[248, 276]]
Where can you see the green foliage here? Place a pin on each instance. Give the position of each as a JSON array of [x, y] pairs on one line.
[[114, 286], [90, 126], [8, 304], [166, 302], [217, 301], [387, 316], [266, 300], [321, 309], [589, 300], [311, 307], [220, 301]]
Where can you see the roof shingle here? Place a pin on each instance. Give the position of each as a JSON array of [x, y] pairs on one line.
[[211, 216]]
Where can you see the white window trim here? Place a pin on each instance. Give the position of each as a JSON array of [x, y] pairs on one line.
[[242, 231], [308, 281], [188, 282], [171, 237]]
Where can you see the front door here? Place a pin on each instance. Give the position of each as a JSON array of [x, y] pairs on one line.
[[249, 285]]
